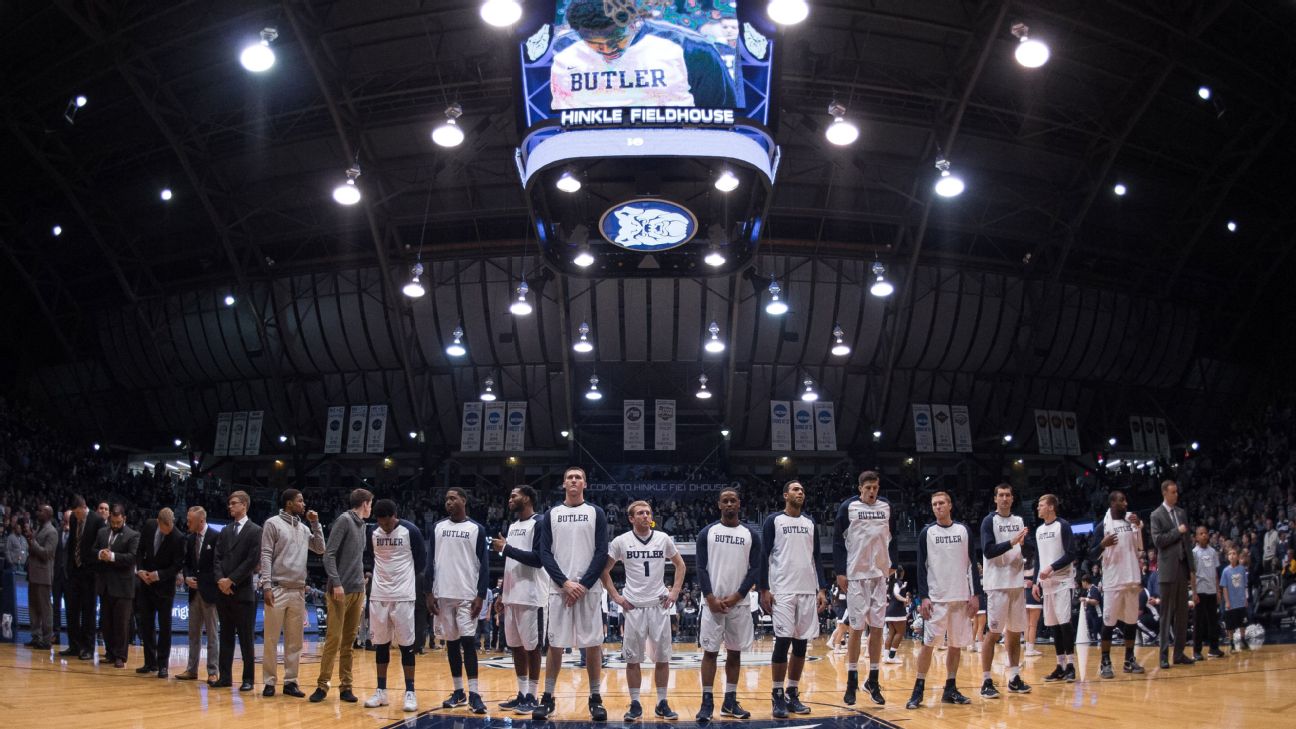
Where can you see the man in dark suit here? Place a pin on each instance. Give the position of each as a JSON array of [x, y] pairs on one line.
[[200, 579], [161, 556], [116, 550], [1170, 533], [82, 562], [238, 552]]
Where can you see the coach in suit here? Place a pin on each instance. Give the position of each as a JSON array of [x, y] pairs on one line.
[[238, 552], [200, 579], [82, 561], [116, 549], [160, 559], [1172, 537], [42, 543]]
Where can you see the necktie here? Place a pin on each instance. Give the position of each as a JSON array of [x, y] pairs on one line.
[[236, 530], [157, 541], [197, 548], [76, 545]]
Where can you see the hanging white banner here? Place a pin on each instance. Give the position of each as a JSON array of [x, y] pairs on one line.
[[1163, 437], [1072, 428], [376, 441], [803, 430], [922, 425], [780, 425], [943, 425], [1057, 432], [333, 429], [1150, 445], [221, 448], [664, 431], [1043, 434], [962, 428], [515, 429], [825, 426], [1136, 434], [632, 425], [252, 440], [238, 431], [470, 430], [356, 429], [493, 430]]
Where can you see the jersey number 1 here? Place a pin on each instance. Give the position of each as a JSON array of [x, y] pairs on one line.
[[646, 573]]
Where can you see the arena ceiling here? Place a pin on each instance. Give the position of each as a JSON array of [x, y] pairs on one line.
[[1036, 288]]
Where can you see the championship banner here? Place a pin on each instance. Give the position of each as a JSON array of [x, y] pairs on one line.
[[376, 441], [221, 448], [356, 429], [515, 428], [1149, 435], [664, 433], [1057, 433], [943, 425], [780, 425], [252, 440], [962, 428], [238, 431], [1072, 429], [470, 430], [825, 426], [803, 430], [333, 429], [1163, 437], [493, 430], [922, 425], [1136, 433], [632, 425], [1042, 433]]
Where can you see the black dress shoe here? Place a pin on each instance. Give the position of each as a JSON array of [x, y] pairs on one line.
[[290, 689], [220, 683], [162, 673], [1165, 664], [245, 686], [146, 669], [347, 696], [318, 695], [85, 655], [69, 652], [268, 691], [1183, 661]]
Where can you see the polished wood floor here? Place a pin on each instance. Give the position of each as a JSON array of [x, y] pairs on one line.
[[1255, 689]]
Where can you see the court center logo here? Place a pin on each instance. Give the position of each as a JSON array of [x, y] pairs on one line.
[[648, 225]]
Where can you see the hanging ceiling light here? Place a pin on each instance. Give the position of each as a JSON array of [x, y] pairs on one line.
[[949, 185], [501, 13], [877, 435], [1029, 53], [840, 347], [1007, 438], [776, 306], [726, 182], [178, 442], [283, 438], [840, 132], [1204, 93], [347, 193], [449, 134], [165, 194], [488, 392], [703, 393], [57, 230], [1119, 189], [714, 257], [414, 289], [457, 348], [593, 393], [521, 307], [259, 57], [584, 257], [229, 299], [881, 287], [583, 345], [714, 345], [1231, 225], [568, 182], [809, 395], [787, 12]]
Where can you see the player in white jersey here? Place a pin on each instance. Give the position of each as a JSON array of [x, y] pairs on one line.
[[1118, 541], [864, 557], [524, 593], [645, 602], [946, 588], [728, 562], [573, 550], [394, 557], [459, 571], [1003, 579], [793, 591], [1055, 584]]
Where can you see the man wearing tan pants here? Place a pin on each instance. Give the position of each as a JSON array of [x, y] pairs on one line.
[[284, 543], [344, 563]]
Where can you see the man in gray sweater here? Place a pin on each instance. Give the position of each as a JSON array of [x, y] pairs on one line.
[[344, 563], [284, 543]]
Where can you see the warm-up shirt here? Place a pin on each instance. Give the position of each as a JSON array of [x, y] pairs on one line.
[[1207, 562], [791, 564], [728, 559], [1120, 562], [1053, 541], [573, 544], [1234, 580], [644, 560], [1002, 562], [398, 556], [945, 557], [458, 566], [863, 547], [524, 578]]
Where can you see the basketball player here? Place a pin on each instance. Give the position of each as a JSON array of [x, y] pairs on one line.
[[1118, 541], [1055, 584], [523, 595], [645, 603], [864, 556], [793, 591], [573, 550], [459, 573], [728, 562], [946, 587], [397, 553], [1002, 536]]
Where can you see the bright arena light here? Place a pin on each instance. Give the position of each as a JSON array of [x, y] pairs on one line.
[[166, 194], [501, 13], [714, 345], [949, 184], [449, 134], [568, 183], [1120, 189], [1030, 53], [726, 182], [787, 12], [1204, 93], [259, 57]]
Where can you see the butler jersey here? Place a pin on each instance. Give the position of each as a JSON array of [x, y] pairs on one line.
[[573, 544], [524, 578], [728, 559], [945, 555], [1002, 562], [645, 561], [457, 563], [397, 559], [791, 564], [1053, 541], [862, 544], [1120, 562], [663, 65]]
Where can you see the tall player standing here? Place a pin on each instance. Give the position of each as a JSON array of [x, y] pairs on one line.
[[573, 550], [864, 556], [1118, 540], [523, 596], [395, 553], [1002, 536], [793, 591], [1055, 583], [728, 563], [645, 603], [459, 573]]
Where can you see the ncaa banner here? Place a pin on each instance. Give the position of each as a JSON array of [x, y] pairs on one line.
[[356, 429], [221, 448], [664, 432], [515, 427], [376, 441], [1149, 435], [962, 428], [252, 441], [238, 431], [493, 427], [1136, 433], [333, 429], [780, 425], [922, 425], [470, 430], [1057, 433], [632, 425], [803, 429], [1163, 437], [1043, 434], [942, 423], [825, 426], [1072, 428]]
